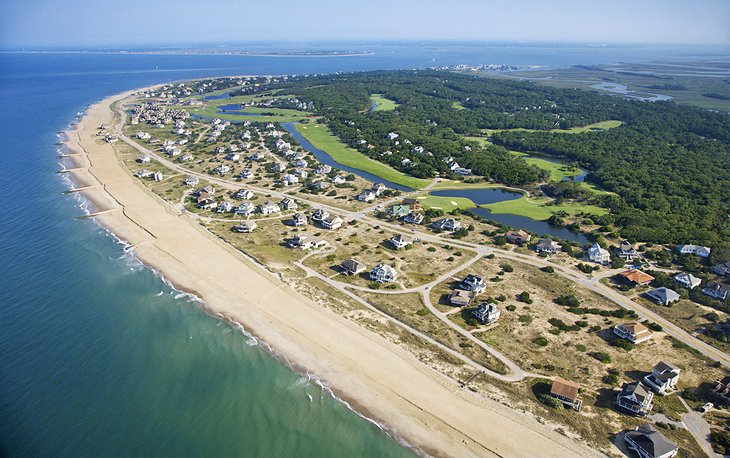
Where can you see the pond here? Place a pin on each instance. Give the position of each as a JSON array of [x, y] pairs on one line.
[[325, 158], [480, 196], [531, 225]]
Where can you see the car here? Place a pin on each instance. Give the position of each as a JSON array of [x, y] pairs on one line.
[[706, 406]]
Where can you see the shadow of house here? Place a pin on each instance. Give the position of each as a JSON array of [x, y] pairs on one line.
[[636, 376], [606, 398], [540, 389]]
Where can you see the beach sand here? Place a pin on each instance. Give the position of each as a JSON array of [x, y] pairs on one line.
[[378, 377]]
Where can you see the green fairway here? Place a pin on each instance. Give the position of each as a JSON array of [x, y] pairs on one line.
[[446, 203], [457, 106], [539, 210], [321, 137], [603, 125], [383, 104], [557, 171]]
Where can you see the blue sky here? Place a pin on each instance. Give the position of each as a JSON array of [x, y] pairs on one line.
[[90, 23]]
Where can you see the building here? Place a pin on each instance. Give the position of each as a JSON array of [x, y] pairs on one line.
[[599, 255], [566, 392], [246, 173], [634, 332], [487, 313], [366, 196], [636, 277], [222, 169], [473, 283], [414, 218], [268, 208], [191, 181], [686, 280], [245, 209], [701, 251], [245, 226], [647, 442], [352, 267], [288, 203], [400, 241], [717, 291], [299, 220], [143, 159], [722, 269], [446, 225], [662, 295], [383, 273], [460, 298], [721, 390], [289, 179], [225, 207], [332, 222], [399, 210], [663, 377], [547, 246], [635, 398], [244, 194], [319, 215], [206, 202], [519, 237], [305, 242], [626, 251]]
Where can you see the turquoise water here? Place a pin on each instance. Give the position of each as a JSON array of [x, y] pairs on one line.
[[98, 357]]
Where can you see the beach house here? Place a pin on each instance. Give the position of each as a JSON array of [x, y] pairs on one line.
[[717, 291], [446, 225], [288, 204], [473, 283], [460, 298], [400, 241], [636, 277], [487, 313], [319, 215], [547, 246], [701, 251], [663, 378], [224, 207], [245, 209], [352, 267], [268, 208], [332, 222], [662, 295], [519, 237], [626, 251], [686, 280], [566, 392], [244, 194], [635, 398], [647, 442], [598, 254], [632, 331], [383, 273], [245, 227], [299, 220], [414, 218], [306, 242]]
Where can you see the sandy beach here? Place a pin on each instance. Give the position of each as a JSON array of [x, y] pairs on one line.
[[383, 380]]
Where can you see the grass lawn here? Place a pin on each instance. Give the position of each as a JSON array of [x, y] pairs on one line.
[[602, 125], [457, 106], [446, 203], [557, 171], [383, 104], [539, 210], [321, 137]]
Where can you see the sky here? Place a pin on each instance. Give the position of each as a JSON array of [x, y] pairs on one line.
[[49, 24]]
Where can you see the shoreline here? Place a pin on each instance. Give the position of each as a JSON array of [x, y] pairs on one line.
[[375, 383]]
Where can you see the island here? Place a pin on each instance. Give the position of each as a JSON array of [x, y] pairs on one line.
[[485, 267]]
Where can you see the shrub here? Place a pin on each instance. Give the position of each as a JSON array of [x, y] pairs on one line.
[[422, 312], [601, 356], [431, 249], [547, 269], [551, 402], [581, 347], [654, 327], [507, 268], [511, 308], [621, 343], [540, 341], [524, 296], [568, 300], [526, 319], [610, 379]]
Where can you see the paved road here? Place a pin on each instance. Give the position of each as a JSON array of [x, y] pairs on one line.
[[573, 275]]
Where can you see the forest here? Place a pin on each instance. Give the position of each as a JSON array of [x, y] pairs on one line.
[[669, 165]]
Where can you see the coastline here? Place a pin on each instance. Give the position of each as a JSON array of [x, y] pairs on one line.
[[367, 371]]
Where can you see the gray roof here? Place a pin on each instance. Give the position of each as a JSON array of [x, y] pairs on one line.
[[664, 294], [651, 441], [636, 390]]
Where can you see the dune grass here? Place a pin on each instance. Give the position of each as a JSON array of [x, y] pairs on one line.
[[383, 104], [321, 137]]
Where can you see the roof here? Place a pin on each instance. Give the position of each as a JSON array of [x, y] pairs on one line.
[[686, 277], [634, 327], [651, 441], [517, 233], [664, 294], [635, 389], [352, 265], [662, 366], [565, 388], [636, 276]]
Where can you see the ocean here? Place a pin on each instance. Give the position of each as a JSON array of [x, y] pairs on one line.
[[98, 355]]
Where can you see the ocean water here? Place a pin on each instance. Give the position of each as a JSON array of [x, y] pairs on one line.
[[98, 356]]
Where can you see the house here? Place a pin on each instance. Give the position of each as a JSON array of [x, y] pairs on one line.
[[460, 298], [413, 203], [487, 313], [323, 169], [400, 241], [635, 398], [662, 295], [447, 225], [306, 242], [187, 157], [206, 190], [301, 173], [383, 273], [547, 246], [473, 283], [278, 167], [245, 227], [701, 251], [233, 156], [414, 218], [339, 179], [647, 442], [224, 207], [191, 181], [519, 237], [321, 185], [206, 202], [566, 392], [392, 136], [717, 291], [722, 269], [636, 277], [663, 377], [598, 254], [244, 194], [633, 332], [626, 251], [299, 220], [158, 176], [366, 196], [246, 173], [352, 267], [378, 189], [289, 179], [245, 209], [267, 208], [331, 222], [288, 203], [721, 390], [319, 215], [222, 169], [399, 210], [143, 159], [686, 280]]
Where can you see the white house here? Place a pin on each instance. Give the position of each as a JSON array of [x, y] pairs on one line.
[[383, 273], [717, 291], [635, 398], [663, 377], [245, 209], [288, 204], [701, 251], [366, 196], [473, 283], [289, 179], [224, 207], [686, 280], [663, 296], [298, 220], [339, 179], [414, 218], [400, 241], [319, 215], [191, 181], [547, 246], [487, 313], [221, 169], [447, 225], [598, 254], [332, 222], [634, 332], [245, 226], [268, 208], [306, 242], [246, 173], [143, 159]]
